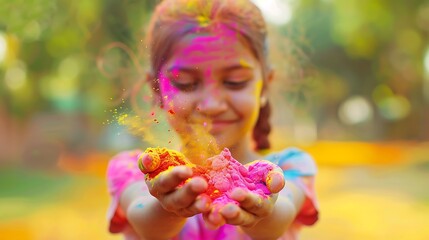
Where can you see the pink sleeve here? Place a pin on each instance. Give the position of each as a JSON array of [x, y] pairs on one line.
[[308, 214], [121, 172], [300, 168]]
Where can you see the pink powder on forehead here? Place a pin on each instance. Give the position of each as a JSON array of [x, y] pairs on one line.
[[223, 173]]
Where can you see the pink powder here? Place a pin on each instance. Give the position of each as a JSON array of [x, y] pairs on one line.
[[225, 173]]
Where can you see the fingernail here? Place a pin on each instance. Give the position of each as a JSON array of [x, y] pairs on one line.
[[230, 211], [238, 194], [275, 182], [148, 163], [202, 204]]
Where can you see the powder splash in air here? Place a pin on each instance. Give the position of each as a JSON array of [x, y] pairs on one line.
[[222, 172]]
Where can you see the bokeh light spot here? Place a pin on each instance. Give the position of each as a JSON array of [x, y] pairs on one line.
[[3, 47], [426, 61], [32, 31], [69, 68], [15, 77], [381, 92], [355, 110], [394, 107], [278, 12], [426, 80]]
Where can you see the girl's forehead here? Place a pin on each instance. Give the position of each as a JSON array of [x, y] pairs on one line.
[[218, 34], [219, 44]]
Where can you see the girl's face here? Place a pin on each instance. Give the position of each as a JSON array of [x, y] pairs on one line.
[[212, 81]]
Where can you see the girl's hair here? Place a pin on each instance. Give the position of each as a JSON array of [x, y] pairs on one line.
[[174, 19]]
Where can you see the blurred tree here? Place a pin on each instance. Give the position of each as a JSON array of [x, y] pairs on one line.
[[373, 49]]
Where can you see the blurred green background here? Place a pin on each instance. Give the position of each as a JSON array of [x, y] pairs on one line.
[[352, 88]]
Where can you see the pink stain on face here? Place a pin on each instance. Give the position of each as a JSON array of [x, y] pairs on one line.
[[166, 87]]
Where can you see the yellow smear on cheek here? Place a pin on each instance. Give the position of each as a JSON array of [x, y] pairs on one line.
[[244, 63], [258, 89]]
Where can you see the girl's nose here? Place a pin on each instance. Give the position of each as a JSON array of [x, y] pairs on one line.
[[212, 102]]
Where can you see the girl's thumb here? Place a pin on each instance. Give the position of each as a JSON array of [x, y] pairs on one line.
[[275, 181], [148, 162]]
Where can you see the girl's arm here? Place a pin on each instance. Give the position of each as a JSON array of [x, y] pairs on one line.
[[146, 216], [162, 212], [285, 209], [259, 217]]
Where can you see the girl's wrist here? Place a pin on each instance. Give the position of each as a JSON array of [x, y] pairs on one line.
[[151, 221]]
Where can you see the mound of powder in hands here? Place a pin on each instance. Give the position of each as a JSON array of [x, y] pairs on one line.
[[222, 172]]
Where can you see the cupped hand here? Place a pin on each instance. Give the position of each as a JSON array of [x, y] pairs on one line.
[[177, 192], [251, 208]]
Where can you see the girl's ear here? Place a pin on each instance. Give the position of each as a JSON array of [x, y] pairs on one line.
[[270, 76], [154, 85], [264, 93]]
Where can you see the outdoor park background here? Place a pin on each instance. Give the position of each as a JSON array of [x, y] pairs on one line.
[[353, 91]]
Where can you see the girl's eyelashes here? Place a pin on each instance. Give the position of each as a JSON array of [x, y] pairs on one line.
[[192, 86], [235, 84], [183, 81], [188, 82], [237, 78], [185, 87]]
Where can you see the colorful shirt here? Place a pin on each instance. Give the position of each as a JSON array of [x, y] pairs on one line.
[[297, 166]]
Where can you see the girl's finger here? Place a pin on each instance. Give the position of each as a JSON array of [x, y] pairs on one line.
[[214, 219], [185, 196], [251, 202], [168, 181], [200, 205], [275, 181], [235, 216], [148, 163], [270, 173]]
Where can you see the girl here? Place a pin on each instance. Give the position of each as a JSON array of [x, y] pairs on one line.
[[209, 67]]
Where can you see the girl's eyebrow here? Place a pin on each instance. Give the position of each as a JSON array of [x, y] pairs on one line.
[[176, 69], [238, 66]]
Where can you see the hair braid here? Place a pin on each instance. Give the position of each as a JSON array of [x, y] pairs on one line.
[[262, 128]]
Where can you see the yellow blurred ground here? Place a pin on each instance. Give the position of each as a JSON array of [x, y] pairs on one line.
[[366, 191]]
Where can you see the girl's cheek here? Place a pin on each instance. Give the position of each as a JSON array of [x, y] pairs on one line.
[[167, 89], [174, 101], [180, 105], [169, 93]]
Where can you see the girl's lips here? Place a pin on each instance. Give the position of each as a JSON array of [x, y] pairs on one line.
[[213, 122], [217, 126]]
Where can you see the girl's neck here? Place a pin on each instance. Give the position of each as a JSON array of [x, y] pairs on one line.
[[243, 152]]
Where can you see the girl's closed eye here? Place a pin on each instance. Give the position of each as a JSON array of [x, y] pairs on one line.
[[238, 79], [236, 84], [185, 87], [184, 81]]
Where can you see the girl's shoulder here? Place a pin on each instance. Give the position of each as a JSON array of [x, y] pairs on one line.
[[293, 159], [124, 165], [287, 153]]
